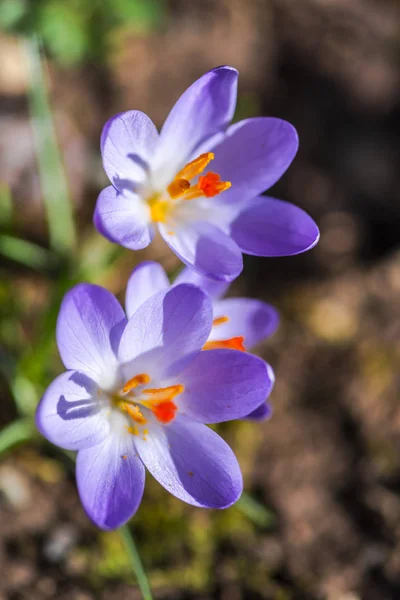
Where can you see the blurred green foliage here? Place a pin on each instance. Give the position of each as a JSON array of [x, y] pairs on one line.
[[76, 30]]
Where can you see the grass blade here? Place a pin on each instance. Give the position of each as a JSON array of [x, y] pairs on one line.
[[16, 433], [255, 511], [26, 253], [5, 205], [52, 176]]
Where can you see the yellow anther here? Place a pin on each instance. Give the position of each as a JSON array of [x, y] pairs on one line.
[[196, 166], [235, 343], [163, 394], [133, 383], [178, 187], [219, 321], [134, 412]]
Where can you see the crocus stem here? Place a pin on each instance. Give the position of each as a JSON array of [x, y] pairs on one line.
[[136, 562]]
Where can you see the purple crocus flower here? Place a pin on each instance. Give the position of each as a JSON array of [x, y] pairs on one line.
[[137, 393], [238, 323], [207, 217]]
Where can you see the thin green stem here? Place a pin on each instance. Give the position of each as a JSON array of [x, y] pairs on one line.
[[136, 562]]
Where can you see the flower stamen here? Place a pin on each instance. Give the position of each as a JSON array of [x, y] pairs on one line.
[[133, 411], [133, 383], [208, 185], [219, 321], [235, 343], [196, 166]]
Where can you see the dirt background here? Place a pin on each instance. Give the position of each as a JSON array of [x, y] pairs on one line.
[[327, 463]]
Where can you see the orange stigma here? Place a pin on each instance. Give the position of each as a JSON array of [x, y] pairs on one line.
[[165, 411], [235, 343], [211, 185], [161, 402]]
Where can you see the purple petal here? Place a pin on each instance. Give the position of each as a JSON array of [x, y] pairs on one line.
[[222, 385], [252, 319], [215, 289], [71, 414], [262, 413], [253, 155], [147, 279], [89, 327], [110, 478], [128, 141], [206, 249], [193, 463], [270, 227], [166, 332], [205, 109], [123, 219]]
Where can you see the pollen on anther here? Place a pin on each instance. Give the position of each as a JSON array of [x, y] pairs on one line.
[[134, 412]]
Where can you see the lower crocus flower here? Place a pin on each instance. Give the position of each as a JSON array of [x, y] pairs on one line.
[[199, 181], [137, 394], [238, 323]]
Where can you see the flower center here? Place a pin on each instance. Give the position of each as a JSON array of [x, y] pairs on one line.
[[234, 343], [134, 396], [208, 185]]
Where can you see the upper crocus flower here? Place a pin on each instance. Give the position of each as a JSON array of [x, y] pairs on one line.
[[137, 394], [199, 181], [238, 323]]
